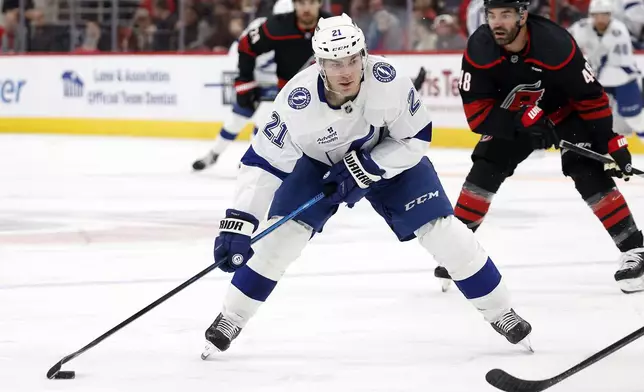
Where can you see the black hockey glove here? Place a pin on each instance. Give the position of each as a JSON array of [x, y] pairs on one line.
[[531, 120], [618, 150], [248, 94]]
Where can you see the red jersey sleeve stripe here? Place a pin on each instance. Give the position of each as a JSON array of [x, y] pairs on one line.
[[279, 38], [477, 111], [484, 66], [244, 47], [555, 67]]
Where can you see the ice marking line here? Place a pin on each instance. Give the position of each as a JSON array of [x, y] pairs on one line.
[[294, 275]]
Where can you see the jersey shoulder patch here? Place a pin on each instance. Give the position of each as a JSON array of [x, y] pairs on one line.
[[384, 72], [550, 44], [299, 98], [482, 51]]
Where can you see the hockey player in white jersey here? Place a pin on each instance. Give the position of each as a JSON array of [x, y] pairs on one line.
[[475, 16], [353, 124], [607, 47], [631, 13]]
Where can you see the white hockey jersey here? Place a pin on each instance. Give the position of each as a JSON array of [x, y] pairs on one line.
[[610, 54], [475, 16], [387, 118], [631, 13]]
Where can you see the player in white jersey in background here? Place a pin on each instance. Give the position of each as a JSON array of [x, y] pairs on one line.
[[607, 47], [475, 16], [352, 124], [267, 81], [631, 13]]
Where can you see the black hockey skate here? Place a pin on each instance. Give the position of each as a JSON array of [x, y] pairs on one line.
[[219, 335], [514, 328], [442, 274], [630, 275], [205, 162]]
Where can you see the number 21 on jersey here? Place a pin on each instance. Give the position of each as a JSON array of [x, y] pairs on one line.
[[275, 123]]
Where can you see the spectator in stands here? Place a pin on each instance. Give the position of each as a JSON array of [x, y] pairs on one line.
[[196, 30], [422, 37], [91, 37], [164, 26], [12, 35], [448, 35], [385, 32], [361, 14], [571, 11], [141, 35], [225, 35]]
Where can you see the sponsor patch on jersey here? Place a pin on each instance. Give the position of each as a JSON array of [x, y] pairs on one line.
[[384, 72], [299, 98]]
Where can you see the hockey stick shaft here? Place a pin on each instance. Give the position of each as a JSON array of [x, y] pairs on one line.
[[56, 368], [506, 382], [564, 144]]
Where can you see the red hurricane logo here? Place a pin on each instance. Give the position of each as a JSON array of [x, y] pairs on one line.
[[523, 95]]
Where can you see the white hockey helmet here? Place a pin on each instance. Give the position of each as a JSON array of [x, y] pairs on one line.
[[601, 7], [337, 37]]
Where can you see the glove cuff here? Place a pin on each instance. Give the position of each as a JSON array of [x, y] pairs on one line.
[[238, 222], [531, 116], [245, 87], [358, 169], [616, 143]]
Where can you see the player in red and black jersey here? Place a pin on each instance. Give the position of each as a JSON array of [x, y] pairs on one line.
[[525, 84], [288, 36]]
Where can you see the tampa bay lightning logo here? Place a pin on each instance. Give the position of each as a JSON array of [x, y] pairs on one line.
[[384, 72], [299, 98]]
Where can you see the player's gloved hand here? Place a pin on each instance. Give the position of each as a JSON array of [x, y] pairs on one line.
[[618, 150], [533, 121], [248, 94], [352, 177], [233, 242]]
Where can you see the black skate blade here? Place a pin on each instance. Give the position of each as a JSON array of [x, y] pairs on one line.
[[508, 383]]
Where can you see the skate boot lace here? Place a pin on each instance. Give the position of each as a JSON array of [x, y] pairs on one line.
[[508, 321], [632, 258], [227, 328]]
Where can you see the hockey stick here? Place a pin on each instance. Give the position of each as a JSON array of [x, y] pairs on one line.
[[564, 144], [420, 79], [506, 382], [55, 372]]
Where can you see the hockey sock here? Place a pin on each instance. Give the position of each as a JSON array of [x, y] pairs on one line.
[[611, 209], [472, 205]]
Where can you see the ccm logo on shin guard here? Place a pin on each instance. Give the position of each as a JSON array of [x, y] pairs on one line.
[[420, 200]]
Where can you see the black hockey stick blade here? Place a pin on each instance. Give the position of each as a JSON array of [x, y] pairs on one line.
[[508, 383], [564, 144]]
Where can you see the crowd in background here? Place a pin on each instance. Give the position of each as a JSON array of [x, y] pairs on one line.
[[213, 25]]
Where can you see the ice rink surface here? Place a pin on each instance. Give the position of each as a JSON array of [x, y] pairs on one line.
[[94, 229]]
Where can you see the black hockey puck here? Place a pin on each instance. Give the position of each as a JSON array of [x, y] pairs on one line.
[[65, 375]]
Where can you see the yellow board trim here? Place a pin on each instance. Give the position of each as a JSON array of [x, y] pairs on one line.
[[441, 137]]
